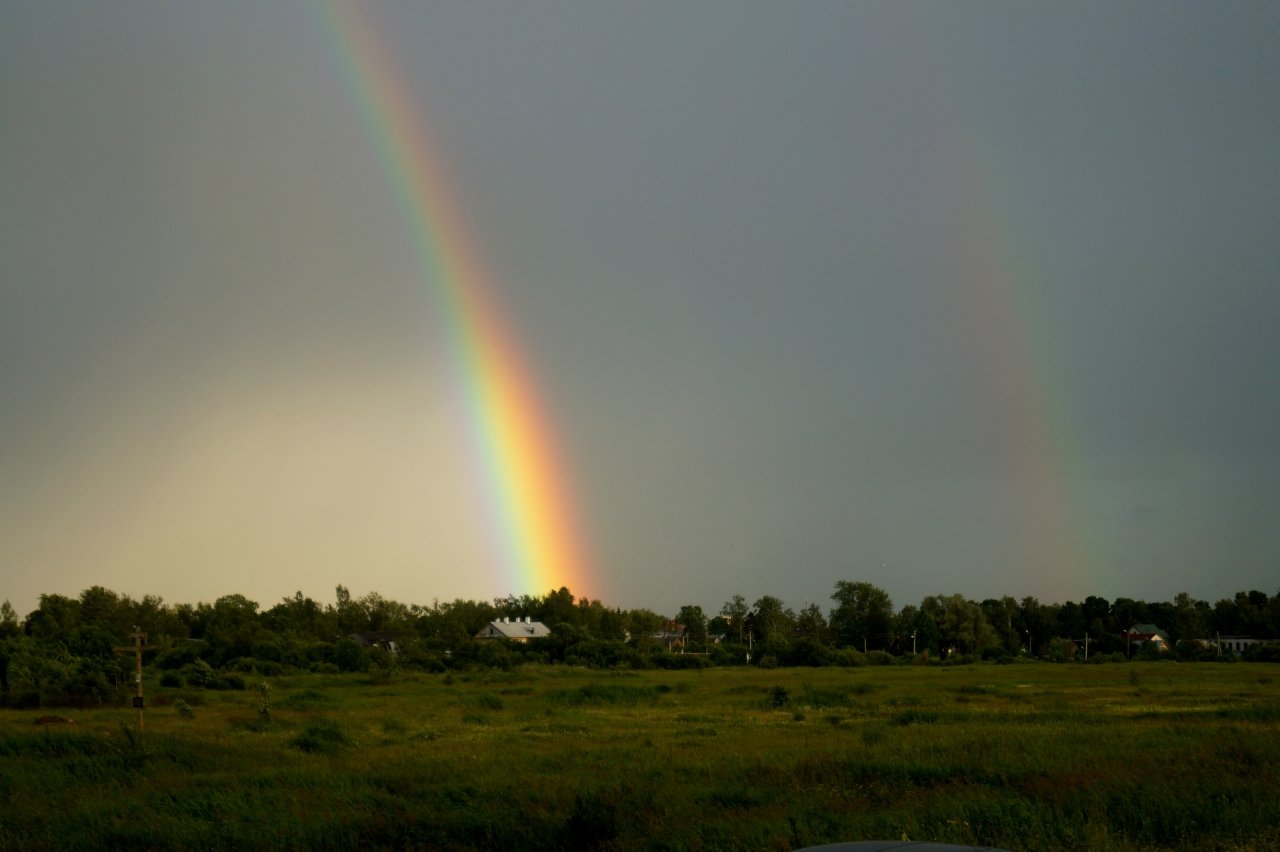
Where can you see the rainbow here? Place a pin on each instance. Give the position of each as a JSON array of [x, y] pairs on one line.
[[1004, 325], [539, 544]]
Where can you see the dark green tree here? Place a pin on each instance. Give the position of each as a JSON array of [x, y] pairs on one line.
[[734, 612], [1003, 617], [961, 624], [812, 625], [54, 617], [771, 620], [863, 615], [9, 624], [556, 608], [695, 626]]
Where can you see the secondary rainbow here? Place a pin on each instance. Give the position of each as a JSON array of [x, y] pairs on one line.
[[1009, 340], [539, 543]]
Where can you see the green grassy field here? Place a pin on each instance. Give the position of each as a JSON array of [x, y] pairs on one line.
[[1024, 756]]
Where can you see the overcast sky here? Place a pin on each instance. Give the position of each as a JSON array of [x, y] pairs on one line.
[[949, 297]]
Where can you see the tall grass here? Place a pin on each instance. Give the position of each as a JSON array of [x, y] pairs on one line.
[[1022, 756]]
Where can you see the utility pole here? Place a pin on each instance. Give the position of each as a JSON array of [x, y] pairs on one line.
[[139, 639]]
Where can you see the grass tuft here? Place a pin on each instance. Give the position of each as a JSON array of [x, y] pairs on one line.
[[322, 736]]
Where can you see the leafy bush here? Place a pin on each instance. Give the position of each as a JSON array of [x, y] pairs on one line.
[[323, 736], [200, 673], [604, 693], [265, 649], [307, 699], [598, 653], [849, 658], [350, 656], [42, 675], [1263, 654], [486, 701], [807, 652], [180, 654], [227, 680], [681, 661], [728, 654]]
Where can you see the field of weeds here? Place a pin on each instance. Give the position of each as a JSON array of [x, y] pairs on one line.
[[1023, 756]]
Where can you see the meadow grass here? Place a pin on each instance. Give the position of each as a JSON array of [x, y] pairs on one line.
[[1024, 756]]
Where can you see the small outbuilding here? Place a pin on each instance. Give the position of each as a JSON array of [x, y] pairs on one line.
[[516, 630]]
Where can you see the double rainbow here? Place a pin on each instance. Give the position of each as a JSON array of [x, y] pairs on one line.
[[538, 542]]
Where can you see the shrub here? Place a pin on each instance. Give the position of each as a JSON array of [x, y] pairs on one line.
[[728, 654], [180, 654], [486, 701], [38, 676], [229, 680], [171, 679], [350, 656], [807, 652], [681, 661], [849, 658], [599, 693], [322, 736], [1263, 654], [267, 650], [200, 673]]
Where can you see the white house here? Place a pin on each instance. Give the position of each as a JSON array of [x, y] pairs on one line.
[[1236, 644], [517, 630]]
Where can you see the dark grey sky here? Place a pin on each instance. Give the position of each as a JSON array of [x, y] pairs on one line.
[[973, 298]]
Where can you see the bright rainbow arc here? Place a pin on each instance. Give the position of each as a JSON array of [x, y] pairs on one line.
[[540, 544]]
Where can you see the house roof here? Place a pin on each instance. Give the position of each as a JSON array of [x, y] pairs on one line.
[[517, 629], [374, 637], [1146, 630]]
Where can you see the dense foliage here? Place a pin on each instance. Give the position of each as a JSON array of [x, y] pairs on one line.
[[63, 652]]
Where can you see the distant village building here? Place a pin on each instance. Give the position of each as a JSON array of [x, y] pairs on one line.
[[672, 636], [516, 630], [377, 639], [1236, 644], [1140, 634]]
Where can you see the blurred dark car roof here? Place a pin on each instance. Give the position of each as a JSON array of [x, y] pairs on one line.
[[886, 845]]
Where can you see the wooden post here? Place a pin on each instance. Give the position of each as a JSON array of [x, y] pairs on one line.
[[138, 646]]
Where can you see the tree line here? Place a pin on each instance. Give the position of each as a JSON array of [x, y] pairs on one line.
[[63, 651]]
